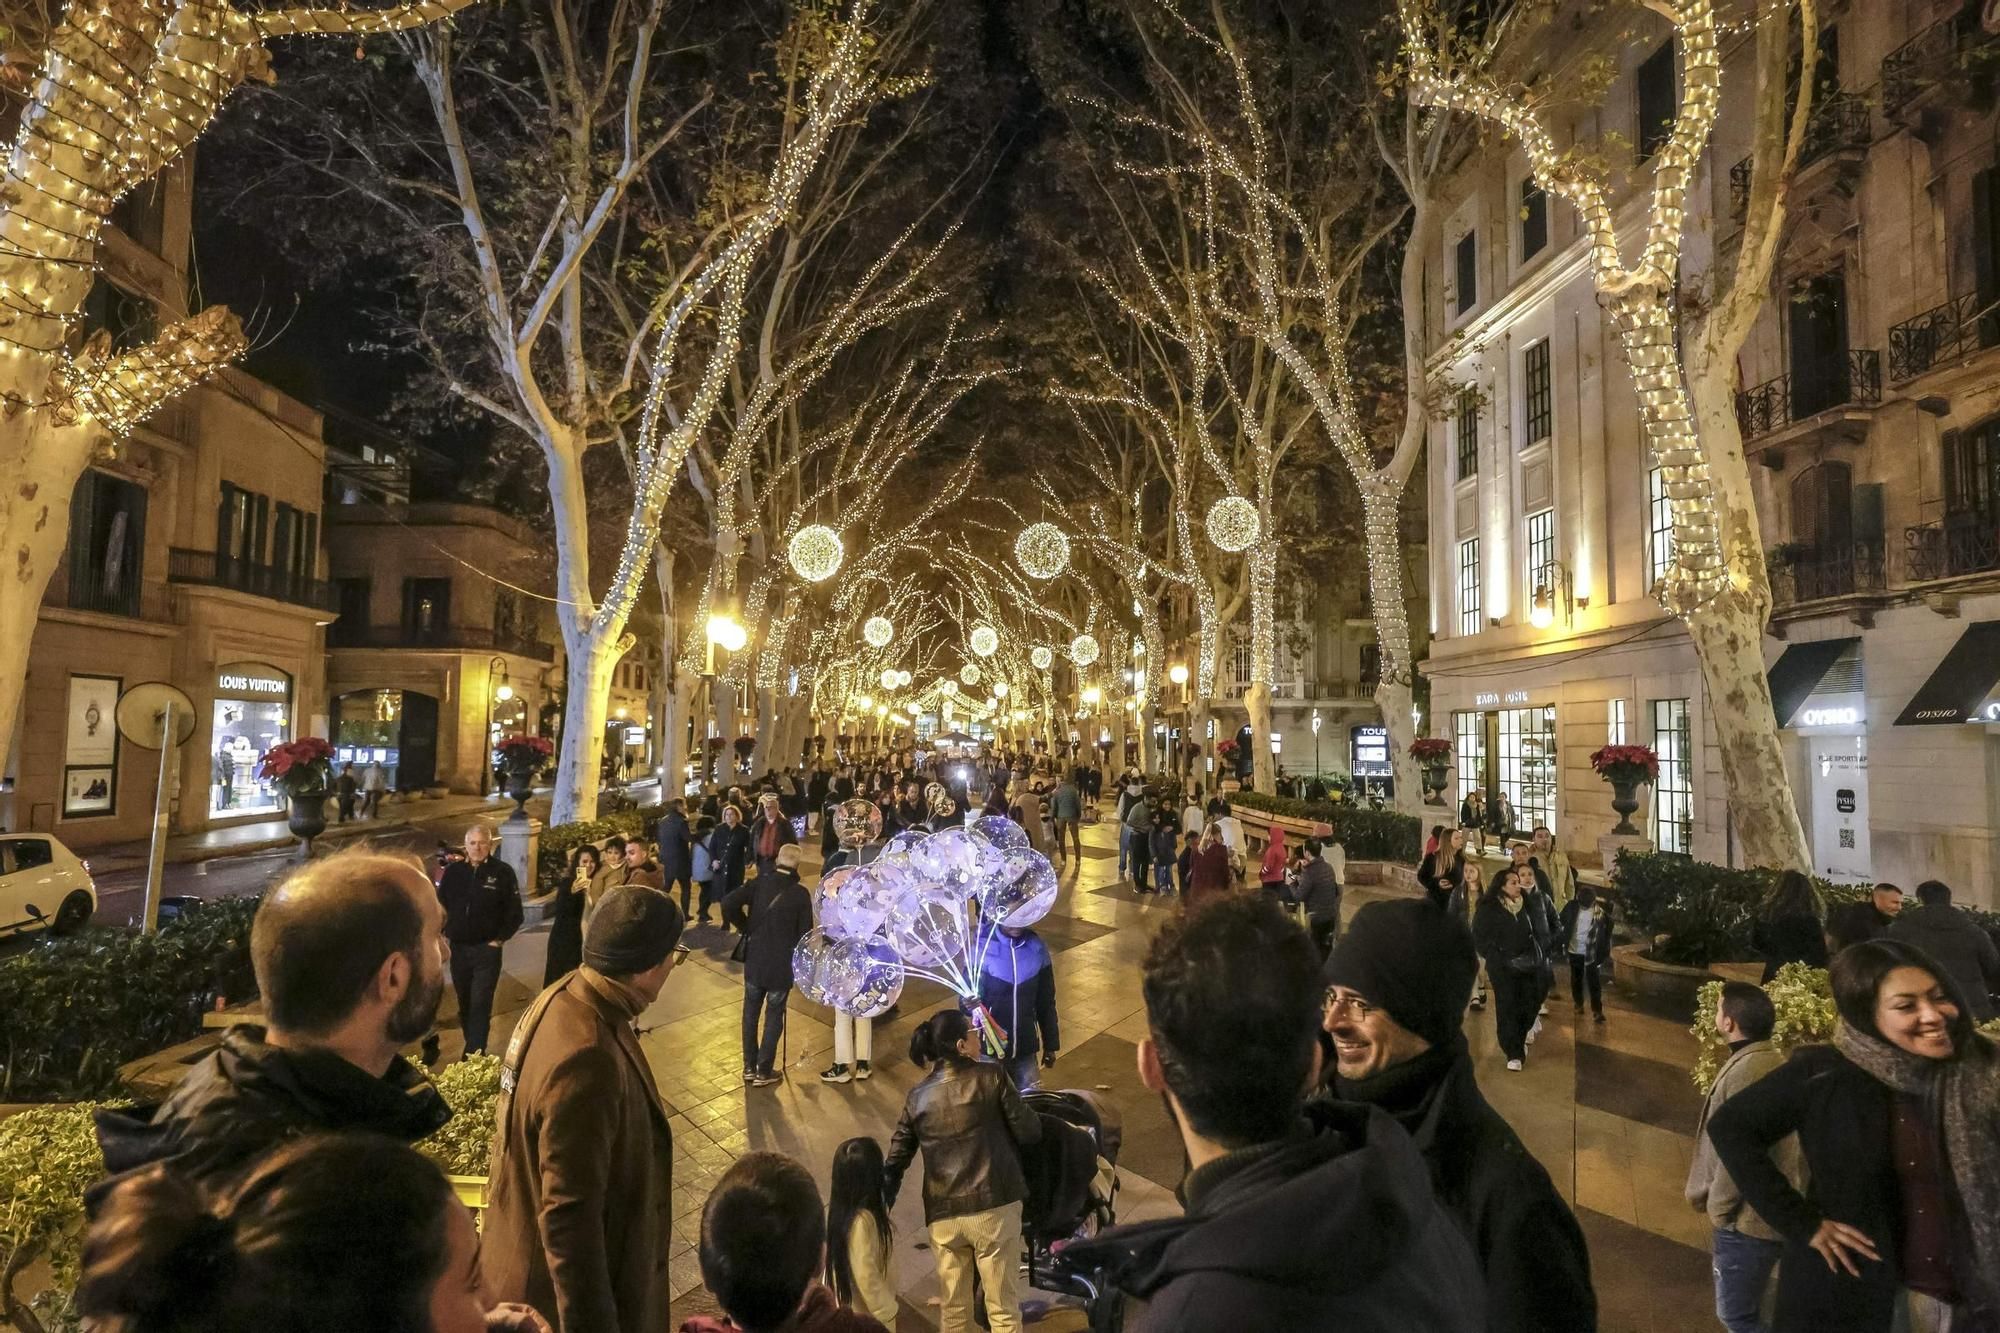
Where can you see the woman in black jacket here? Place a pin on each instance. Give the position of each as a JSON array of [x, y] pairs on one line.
[[1443, 870], [565, 952], [1503, 927], [970, 1123], [728, 852], [1790, 928], [1896, 1119]]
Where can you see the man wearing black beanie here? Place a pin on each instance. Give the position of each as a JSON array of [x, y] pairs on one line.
[[1397, 985]]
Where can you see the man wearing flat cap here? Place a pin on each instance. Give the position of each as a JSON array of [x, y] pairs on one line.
[[580, 1217], [1397, 985]]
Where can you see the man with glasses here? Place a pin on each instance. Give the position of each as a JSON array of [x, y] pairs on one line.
[[1398, 982]]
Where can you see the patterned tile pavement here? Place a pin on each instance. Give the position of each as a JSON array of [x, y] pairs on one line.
[[1608, 1109]]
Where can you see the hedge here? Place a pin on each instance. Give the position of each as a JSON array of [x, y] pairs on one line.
[[560, 840], [76, 1008], [1367, 835], [1706, 911]]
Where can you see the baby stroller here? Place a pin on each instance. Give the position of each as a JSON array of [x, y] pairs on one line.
[[1072, 1190]]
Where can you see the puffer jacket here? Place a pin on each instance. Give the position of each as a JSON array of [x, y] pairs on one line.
[[969, 1121]]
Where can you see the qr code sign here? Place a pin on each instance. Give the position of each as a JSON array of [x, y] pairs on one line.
[[1847, 838]]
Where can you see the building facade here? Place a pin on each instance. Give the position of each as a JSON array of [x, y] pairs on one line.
[[1870, 392]]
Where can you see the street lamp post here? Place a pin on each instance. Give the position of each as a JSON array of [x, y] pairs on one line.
[[1317, 722], [495, 693]]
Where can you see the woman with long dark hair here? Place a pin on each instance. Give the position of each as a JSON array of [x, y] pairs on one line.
[[566, 917], [969, 1122], [1898, 1224], [1791, 926], [330, 1235], [857, 1232], [1503, 928]]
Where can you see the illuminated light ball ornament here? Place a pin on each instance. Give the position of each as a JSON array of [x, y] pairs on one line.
[[878, 631], [985, 640], [902, 679], [1042, 657], [1083, 650], [815, 553], [889, 678], [948, 688], [1042, 550], [1232, 523], [1000, 689], [968, 674]]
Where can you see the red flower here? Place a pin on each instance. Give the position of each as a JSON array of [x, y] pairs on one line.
[[1626, 763], [526, 749], [305, 764], [1430, 750]]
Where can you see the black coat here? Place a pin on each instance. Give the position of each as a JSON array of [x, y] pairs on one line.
[[781, 825], [728, 848], [1334, 1230], [1530, 1247], [1797, 938], [773, 912], [1841, 1115], [565, 952], [676, 849], [1851, 923], [1503, 937], [246, 1099]]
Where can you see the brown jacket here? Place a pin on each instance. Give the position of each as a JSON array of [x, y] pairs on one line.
[[580, 1215]]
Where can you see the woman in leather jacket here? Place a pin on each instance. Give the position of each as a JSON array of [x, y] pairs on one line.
[[970, 1122]]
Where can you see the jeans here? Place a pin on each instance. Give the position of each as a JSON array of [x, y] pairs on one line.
[[1163, 876], [1026, 1072], [1124, 847], [1582, 972], [988, 1244], [760, 1055], [1742, 1268], [475, 972], [1074, 828]]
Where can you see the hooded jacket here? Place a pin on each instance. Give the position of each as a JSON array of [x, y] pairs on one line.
[[1018, 987], [1961, 948], [818, 1313], [246, 1098], [1331, 1230]]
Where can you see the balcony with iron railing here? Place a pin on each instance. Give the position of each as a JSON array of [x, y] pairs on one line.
[[444, 638], [1822, 574], [138, 600], [1841, 123], [1967, 542], [1851, 381], [1943, 334], [208, 570], [1932, 64]]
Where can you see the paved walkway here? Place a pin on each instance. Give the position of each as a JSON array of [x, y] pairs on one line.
[[1608, 1109]]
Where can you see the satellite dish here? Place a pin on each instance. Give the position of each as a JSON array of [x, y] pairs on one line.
[[142, 708]]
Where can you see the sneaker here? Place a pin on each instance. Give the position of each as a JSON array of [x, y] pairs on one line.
[[1533, 1033], [1597, 1017], [1542, 1012], [861, 1069], [764, 1078], [749, 1076], [1514, 1066], [837, 1074], [1478, 1002]]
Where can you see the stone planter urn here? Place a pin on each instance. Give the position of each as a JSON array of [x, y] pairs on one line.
[[306, 817], [1434, 783], [520, 785], [1624, 800]]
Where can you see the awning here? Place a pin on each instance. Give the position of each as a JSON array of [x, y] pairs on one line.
[[1798, 672], [1961, 682]]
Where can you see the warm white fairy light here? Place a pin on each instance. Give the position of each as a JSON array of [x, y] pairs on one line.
[[1042, 656], [1000, 688], [968, 674], [1233, 524], [1042, 550], [878, 631], [888, 678], [948, 688], [815, 553], [1083, 650], [985, 640]]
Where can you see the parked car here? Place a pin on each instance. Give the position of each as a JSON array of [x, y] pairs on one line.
[[43, 886]]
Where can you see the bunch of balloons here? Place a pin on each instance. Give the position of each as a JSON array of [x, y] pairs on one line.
[[926, 906]]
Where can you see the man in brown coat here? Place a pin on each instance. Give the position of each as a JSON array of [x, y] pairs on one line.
[[581, 1213]]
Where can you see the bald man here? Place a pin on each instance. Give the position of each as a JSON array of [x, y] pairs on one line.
[[350, 958], [482, 910]]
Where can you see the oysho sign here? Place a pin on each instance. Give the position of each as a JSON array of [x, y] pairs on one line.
[[1829, 717]]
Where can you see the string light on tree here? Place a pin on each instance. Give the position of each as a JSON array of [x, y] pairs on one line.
[[1233, 524], [1083, 650], [815, 553], [889, 678], [985, 640], [878, 632], [1042, 550]]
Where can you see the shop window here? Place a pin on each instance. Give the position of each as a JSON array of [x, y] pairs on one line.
[[107, 544], [1659, 101], [1528, 764], [1466, 434], [1534, 219], [1541, 551], [1469, 742], [1614, 731], [1539, 419], [1468, 586], [252, 713], [1660, 527], [1465, 259], [1673, 794]]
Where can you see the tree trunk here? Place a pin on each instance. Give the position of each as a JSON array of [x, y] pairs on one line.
[[1263, 654], [1263, 766], [1381, 503], [579, 767], [41, 463]]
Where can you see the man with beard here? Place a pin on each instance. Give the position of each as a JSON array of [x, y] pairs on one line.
[[350, 958], [1398, 982]]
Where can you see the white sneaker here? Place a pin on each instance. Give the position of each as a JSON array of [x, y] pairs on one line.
[[1514, 1066], [1542, 1011], [1533, 1033]]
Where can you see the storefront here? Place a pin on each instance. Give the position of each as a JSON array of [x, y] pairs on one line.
[[395, 730], [252, 712], [1509, 749], [1819, 696]]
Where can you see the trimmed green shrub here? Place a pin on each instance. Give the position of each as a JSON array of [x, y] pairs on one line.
[[48, 1157], [471, 1087], [76, 1008], [560, 840], [1368, 835]]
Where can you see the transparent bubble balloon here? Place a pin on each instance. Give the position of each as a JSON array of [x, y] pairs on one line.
[[857, 821], [865, 899], [809, 964], [830, 900], [956, 861], [1001, 832], [902, 844], [1022, 893], [864, 977], [928, 930]]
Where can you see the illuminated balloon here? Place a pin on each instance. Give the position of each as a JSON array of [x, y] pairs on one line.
[[809, 959], [1022, 893], [928, 930], [864, 977], [955, 860], [1001, 832], [904, 842], [864, 900], [829, 900], [857, 821]]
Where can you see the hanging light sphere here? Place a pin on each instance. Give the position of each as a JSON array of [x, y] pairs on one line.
[[1000, 689], [1232, 523], [1042, 550], [888, 678], [948, 688], [878, 631], [902, 679], [1042, 658], [968, 674], [815, 553], [985, 640], [1083, 650]]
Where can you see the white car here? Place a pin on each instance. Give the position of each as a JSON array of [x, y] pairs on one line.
[[43, 886]]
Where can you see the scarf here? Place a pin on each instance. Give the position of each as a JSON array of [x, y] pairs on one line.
[[1962, 1096], [620, 996], [767, 840]]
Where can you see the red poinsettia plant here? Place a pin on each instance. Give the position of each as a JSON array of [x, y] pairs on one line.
[[714, 744], [1626, 763], [528, 752], [1227, 747], [298, 768], [1430, 751]]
